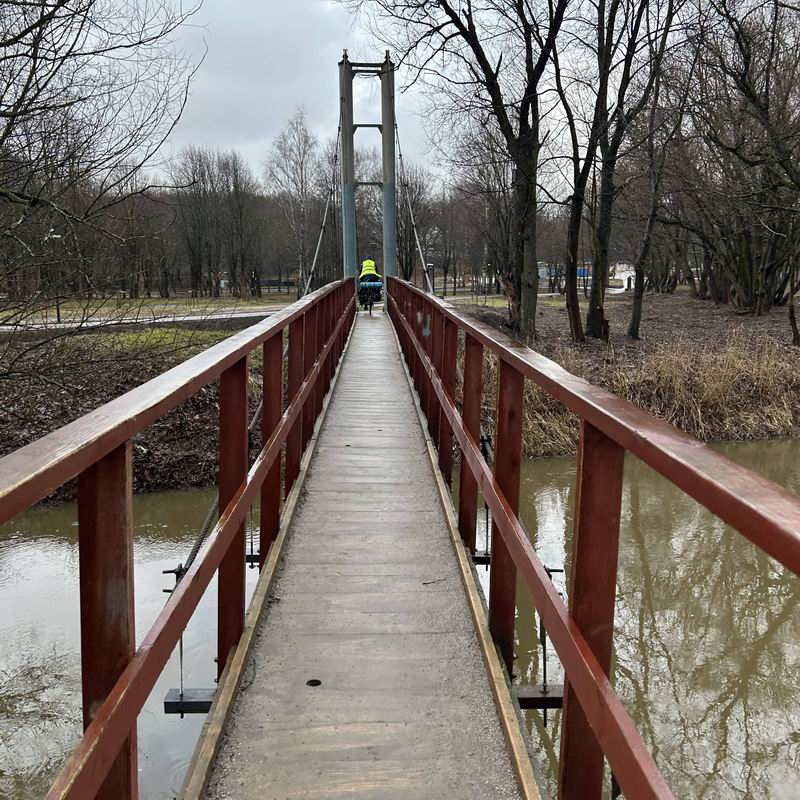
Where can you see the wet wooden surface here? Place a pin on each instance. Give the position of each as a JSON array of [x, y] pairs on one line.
[[369, 609]]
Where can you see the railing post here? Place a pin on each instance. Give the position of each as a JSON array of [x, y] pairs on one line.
[[448, 373], [309, 343], [471, 413], [294, 379], [233, 458], [412, 321], [337, 312], [341, 305], [272, 392], [319, 343], [105, 553], [507, 459], [437, 331], [330, 321], [413, 318], [592, 595], [427, 335]]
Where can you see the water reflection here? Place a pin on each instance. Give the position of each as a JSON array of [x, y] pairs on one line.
[[40, 700], [707, 646], [707, 653]]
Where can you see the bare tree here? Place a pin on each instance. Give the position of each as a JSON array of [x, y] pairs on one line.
[[647, 27], [89, 91], [416, 191], [620, 45], [488, 60], [289, 173]]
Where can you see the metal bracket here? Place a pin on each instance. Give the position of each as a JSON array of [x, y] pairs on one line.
[[192, 701], [540, 696]]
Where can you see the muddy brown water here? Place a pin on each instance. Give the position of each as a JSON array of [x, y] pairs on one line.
[[707, 641]]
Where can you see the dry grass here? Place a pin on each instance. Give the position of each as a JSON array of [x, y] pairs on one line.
[[746, 386]]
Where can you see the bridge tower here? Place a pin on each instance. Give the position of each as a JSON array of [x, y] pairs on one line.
[[347, 72]]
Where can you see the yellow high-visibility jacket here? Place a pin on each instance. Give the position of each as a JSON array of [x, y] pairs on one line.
[[368, 268]]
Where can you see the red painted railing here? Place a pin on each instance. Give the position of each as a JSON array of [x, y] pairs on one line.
[[117, 678], [595, 725]]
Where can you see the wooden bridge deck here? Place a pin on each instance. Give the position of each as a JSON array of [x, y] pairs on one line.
[[369, 602]]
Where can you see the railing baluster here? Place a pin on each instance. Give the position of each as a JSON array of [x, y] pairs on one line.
[[105, 545], [272, 392], [294, 379], [233, 458], [508, 455], [471, 412], [448, 373], [592, 594]]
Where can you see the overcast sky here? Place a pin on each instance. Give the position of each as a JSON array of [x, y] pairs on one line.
[[267, 57]]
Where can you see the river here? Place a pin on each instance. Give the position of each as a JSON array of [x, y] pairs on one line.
[[707, 644]]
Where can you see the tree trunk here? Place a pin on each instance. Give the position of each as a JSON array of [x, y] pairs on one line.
[[636, 311], [571, 264], [596, 322], [792, 317], [528, 282]]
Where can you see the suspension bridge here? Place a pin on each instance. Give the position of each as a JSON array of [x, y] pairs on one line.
[[369, 662]]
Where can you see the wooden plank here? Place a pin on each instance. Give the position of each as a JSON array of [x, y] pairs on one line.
[[529, 787], [592, 595], [625, 750], [108, 641]]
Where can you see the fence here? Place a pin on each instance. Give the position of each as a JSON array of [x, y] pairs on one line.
[[116, 677], [595, 725]]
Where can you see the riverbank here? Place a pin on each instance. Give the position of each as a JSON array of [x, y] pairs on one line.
[[44, 388], [715, 374]]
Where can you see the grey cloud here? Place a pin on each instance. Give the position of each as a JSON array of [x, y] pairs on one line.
[[266, 58]]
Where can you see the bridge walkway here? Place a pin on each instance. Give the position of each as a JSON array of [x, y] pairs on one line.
[[369, 603]]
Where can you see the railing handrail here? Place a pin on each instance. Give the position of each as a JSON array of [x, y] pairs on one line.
[[615, 731], [767, 514], [31, 473], [595, 723], [82, 774]]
